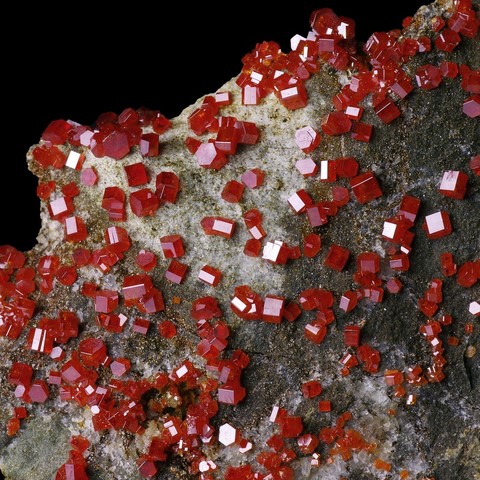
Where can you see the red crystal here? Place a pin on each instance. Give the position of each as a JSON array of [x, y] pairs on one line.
[[307, 443], [428, 77], [66, 275], [471, 106], [336, 123], [106, 301], [316, 215], [449, 267], [115, 144], [70, 189], [38, 391], [144, 202], [93, 352], [149, 145], [247, 133], [75, 160], [454, 184], [307, 139], [447, 40], [209, 275], [147, 261], [253, 178], [366, 187], [208, 156], [315, 331], [409, 208], [231, 394], [227, 136], [351, 335], [176, 272], [290, 426], [273, 309], [232, 191], [369, 357], [167, 187], [448, 69], [437, 225], [312, 244], [311, 389], [60, 208], [136, 174], [299, 201], [337, 257], [141, 325], [327, 171], [387, 111], [324, 406], [120, 366], [348, 301], [400, 262], [75, 229], [475, 165], [57, 132], [276, 252], [172, 246], [426, 307], [362, 132], [354, 112], [47, 156], [307, 167], [219, 226], [114, 203], [167, 329], [467, 275], [20, 374], [346, 167], [117, 240], [45, 190], [252, 247]]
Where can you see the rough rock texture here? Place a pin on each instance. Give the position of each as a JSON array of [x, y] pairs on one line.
[[437, 437]]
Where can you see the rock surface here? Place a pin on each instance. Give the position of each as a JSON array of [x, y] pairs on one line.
[[438, 436]]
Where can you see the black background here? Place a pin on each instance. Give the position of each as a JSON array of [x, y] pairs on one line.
[[106, 58]]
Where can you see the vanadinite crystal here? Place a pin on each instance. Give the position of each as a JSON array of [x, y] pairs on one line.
[[342, 178]]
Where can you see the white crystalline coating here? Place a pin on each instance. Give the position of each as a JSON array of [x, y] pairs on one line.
[[449, 180], [474, 308], [227, 434], [73, 160], [222, 226], [435, 222]]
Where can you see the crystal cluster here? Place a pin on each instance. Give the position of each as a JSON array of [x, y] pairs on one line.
[[136, 287]]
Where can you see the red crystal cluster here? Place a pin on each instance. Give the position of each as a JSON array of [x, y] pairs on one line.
[[184, 401]]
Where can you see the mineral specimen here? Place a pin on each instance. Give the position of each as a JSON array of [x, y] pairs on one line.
[[282, 282]]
